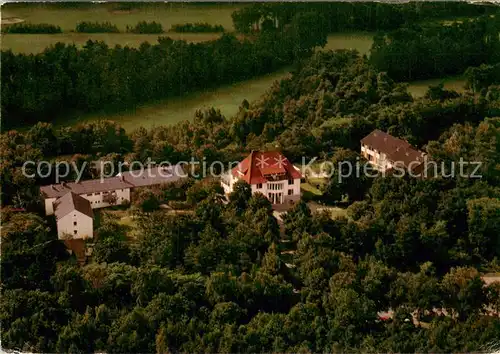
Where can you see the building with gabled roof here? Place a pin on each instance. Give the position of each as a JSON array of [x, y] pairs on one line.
[[269, 173], [74, 217], [385, 151], [110, 191]]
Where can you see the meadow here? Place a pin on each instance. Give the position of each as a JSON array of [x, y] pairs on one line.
[[117, 14], [172, 110], [121, 15], [227, 98]]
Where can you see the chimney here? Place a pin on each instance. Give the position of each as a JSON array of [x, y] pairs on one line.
[[63, 183], [385, 139]]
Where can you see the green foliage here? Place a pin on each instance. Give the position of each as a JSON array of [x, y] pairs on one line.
[[218, 277], [31, 28], [146, 27], [96, 27], [347, 16], [483, 76], [197, 27], [240, 195], [111, 245], [416, 52], [131, 76]]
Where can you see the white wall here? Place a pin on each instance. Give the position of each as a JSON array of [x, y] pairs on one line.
[[379, 160], [96, 199], [49, 206], [84, 225], [265, 189]]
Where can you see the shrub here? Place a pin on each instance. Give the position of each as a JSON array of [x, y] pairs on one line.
[[31, 28], [196, 27], [178, 205], [146, 27], [96, 27]]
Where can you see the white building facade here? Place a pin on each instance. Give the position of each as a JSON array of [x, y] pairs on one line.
[[76, 225], [102, 193], [269, 173], [385, 152], [74, 217]]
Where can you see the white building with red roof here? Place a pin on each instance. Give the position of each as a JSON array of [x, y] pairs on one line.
[[269, 173]]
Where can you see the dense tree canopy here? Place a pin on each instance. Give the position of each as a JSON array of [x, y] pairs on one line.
[[52, 83], [401, 271], [419, 52]]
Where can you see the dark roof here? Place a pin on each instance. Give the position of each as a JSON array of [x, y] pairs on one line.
[[69, 202], [129, 179], [257, 166], [396, 150], [386, 143]]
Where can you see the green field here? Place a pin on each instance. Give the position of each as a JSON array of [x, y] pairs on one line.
[[164, 13], [419, 88], [172, 110], [67, 18], [360, 41], [226, 98]]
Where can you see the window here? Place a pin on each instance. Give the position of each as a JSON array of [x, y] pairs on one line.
[[74, 223], [259, 185], [290, 181], [75, 232], [290, 192]]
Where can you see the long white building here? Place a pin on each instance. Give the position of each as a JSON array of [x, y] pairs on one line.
[[110, 191]]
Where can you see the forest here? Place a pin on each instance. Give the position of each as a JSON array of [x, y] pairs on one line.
[[277, 35], [215, 280], [40, 87], [417, 52], [355, 16], [221, 274]]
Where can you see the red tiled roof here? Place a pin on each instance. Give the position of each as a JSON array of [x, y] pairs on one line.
[[258, 166]]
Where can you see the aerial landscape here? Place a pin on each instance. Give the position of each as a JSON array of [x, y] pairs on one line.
[[250, 177]]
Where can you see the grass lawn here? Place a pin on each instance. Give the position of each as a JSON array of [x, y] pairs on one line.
[[310, 191], [123, 218], [334, 212], [67, 18], [361, 41], [419, 88], [167, 14], [173, 110]]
